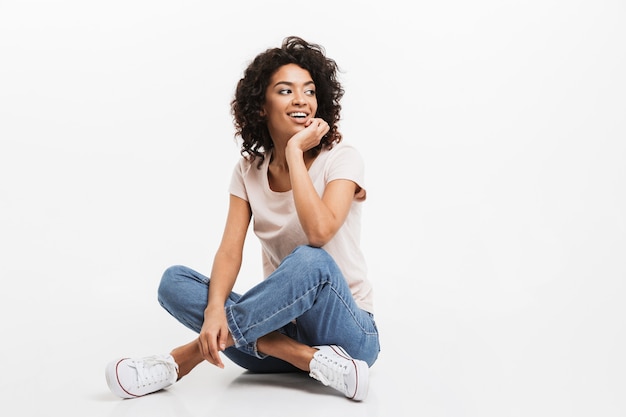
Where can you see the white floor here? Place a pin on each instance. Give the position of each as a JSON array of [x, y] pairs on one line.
[[57, 368], [445, 363]]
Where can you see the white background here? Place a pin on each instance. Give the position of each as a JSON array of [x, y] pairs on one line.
[[494, 136]]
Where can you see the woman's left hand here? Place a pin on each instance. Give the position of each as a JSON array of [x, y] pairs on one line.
[[309, 137]]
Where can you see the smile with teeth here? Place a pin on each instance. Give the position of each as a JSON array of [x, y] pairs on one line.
[[298, 114]]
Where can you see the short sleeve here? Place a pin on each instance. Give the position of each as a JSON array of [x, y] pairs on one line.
[[237, 187], [347, 163]]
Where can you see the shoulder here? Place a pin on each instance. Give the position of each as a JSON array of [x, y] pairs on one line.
[[245, 166], [344, 154], [344, 151]]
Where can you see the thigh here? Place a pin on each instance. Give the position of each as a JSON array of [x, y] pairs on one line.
[[333, 317]]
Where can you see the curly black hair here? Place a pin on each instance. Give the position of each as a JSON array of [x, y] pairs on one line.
[[250, 94]]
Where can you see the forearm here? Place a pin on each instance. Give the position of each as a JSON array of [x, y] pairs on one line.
[[315, 217], [223, 276]]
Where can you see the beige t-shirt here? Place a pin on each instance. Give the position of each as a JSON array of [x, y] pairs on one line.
[[276, 222]]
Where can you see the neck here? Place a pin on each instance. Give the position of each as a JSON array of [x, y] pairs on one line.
[[278, 158]]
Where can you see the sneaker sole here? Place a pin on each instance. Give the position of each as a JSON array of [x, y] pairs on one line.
[[113, 381], [362, 372]]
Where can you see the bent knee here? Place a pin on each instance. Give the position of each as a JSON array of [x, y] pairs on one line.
[[170, 276], [311, 259], [312, 254]]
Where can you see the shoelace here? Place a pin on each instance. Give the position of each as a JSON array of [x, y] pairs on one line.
[[153, 370], [335, 375]]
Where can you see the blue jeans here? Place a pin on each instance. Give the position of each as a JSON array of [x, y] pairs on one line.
[[306, 298]]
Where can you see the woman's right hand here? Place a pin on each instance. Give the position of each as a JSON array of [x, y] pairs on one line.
[[213, 335]]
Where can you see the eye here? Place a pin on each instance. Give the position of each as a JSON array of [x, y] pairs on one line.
[[284, 91], [310, 92]]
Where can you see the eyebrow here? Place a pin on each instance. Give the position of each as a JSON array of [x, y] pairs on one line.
[[288, 83]]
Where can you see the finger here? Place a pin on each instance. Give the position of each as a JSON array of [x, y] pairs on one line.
[[223, 339], [320, 123], [215, 354], [203, 348], [322, 130], [204, 351]]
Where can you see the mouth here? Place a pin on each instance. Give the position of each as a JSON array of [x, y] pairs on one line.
[[298, 115]]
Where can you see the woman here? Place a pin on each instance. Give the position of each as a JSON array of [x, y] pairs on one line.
[[313, 311]]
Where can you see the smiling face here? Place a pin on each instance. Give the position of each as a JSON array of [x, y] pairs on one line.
[[289, 101]]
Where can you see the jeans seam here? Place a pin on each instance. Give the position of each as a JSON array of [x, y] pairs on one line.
[[352, 313], [258, 323]]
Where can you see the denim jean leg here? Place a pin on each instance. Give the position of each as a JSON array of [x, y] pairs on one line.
[[337, 320], [183, 293], [306, 278]]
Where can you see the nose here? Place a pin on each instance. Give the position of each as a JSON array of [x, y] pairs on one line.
[[298, 98]]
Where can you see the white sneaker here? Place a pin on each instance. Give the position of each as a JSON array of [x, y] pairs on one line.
[[332, 366], [130, 378]]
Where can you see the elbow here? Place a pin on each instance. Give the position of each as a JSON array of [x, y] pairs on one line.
[[316, 243], [319, 238]]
